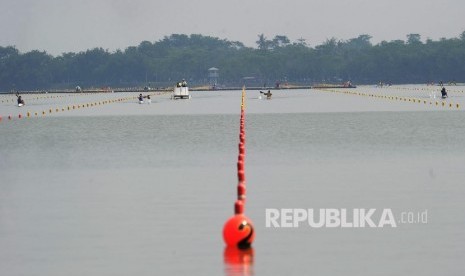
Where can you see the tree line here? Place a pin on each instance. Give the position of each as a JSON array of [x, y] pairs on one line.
[[178, 56]]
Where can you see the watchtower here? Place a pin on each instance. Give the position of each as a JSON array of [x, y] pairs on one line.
[[213, 76]]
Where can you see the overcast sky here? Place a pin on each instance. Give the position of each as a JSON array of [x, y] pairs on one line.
[[58, 26]]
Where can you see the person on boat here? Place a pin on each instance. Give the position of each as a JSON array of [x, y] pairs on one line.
[[184, 83], [20, 100], [267, 94], [443, 92]]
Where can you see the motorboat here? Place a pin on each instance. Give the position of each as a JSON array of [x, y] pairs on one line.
[[181, 92]]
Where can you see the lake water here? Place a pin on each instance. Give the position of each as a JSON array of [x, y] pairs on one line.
[[119, 191]]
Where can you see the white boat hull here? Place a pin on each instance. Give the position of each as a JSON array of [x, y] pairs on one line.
[[181, 93]]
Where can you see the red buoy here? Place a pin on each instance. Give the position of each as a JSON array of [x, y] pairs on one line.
[[241, 157], [241, 148], [239, 207], [241, 191], [238, 232], [240, 165], [241, 176]]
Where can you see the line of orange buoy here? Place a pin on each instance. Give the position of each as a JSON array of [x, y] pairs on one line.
[[395, 98], [428, 88], [77, 106], [238, 231], [48, 96]]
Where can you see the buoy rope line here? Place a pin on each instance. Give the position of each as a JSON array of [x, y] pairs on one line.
[[430, 88], [29, 114], [35, 97], [238, 230], [240, 202], [395, 98], [11, 98]]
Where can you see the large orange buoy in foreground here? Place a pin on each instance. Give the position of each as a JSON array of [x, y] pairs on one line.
[[238, 232]]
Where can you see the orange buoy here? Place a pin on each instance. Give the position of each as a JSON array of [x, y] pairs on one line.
[[241, 148], [240, 165], [241, 190], [238, 232], [241, 176], [238, 207], [241, 157]]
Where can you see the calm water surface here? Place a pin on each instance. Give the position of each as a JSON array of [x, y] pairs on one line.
[[148, 195]]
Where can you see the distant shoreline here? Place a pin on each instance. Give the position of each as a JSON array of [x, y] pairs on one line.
[[196, 88], [142, 90], [170, 89]]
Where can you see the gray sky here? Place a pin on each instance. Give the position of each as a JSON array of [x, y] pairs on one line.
[[58, 26]]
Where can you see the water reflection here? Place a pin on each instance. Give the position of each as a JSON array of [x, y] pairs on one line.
[[238, 261]]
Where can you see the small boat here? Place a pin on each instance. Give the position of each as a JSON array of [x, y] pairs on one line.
[[267, 94], [181, 93]]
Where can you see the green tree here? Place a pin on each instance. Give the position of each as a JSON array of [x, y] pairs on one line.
[[413, 39], [181, 56]]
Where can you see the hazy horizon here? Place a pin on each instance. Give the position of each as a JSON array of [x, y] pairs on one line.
[[58, 26]]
